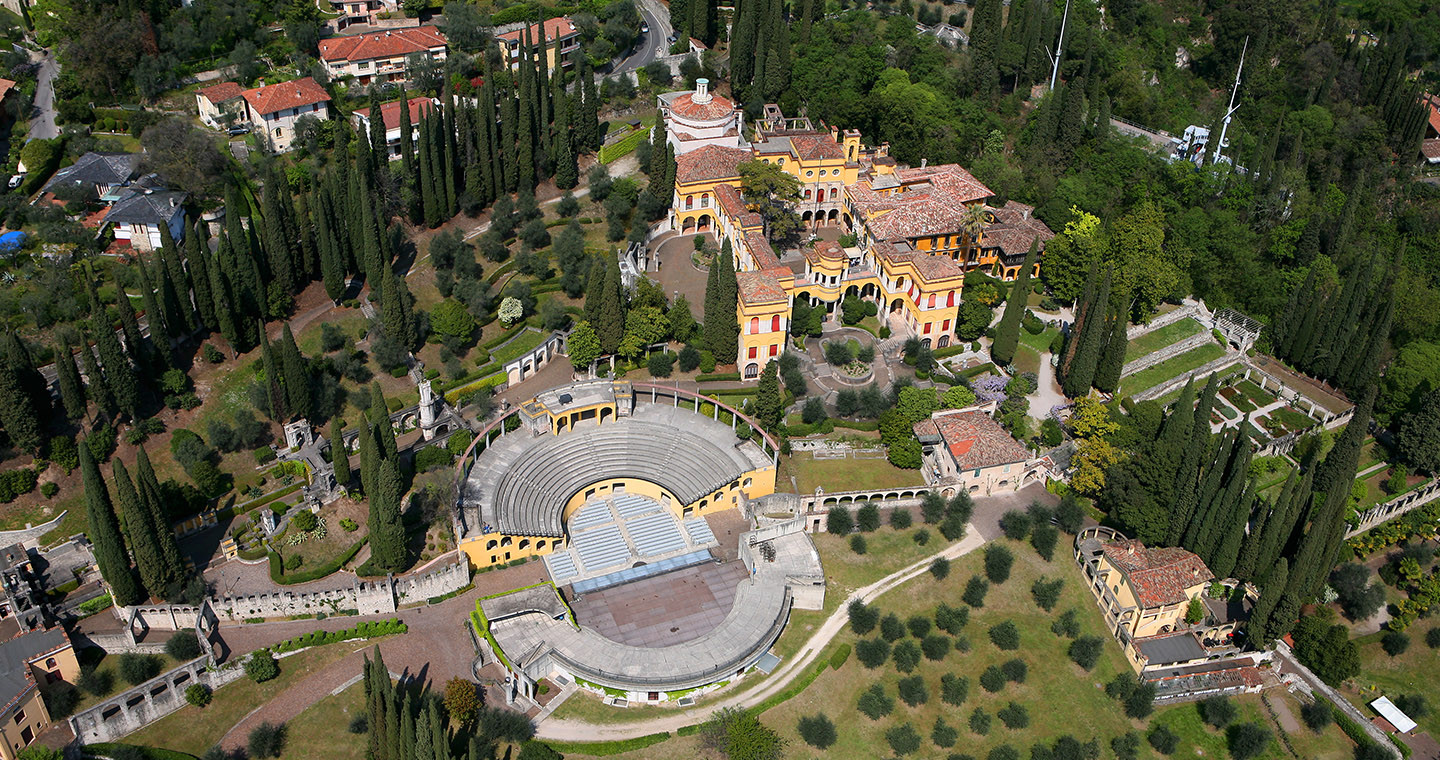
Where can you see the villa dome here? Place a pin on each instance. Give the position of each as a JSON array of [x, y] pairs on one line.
[[702, 105]]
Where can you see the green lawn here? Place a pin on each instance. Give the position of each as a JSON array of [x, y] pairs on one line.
[[1412, 672], [1041, 342], [194, 730], [110, 664], [1292, 418], [1257, 395], [323, 729], [1027, 359], [847, 474], [1060, 697], [1197, 739], [1159, 338], [1172, 367]]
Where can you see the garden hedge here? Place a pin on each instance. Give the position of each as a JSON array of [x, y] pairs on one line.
[[367, 630], [278, 574], [110, 749]]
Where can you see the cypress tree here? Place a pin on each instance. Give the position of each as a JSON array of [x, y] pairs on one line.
[[429, 206], [729, 328], [369, 459], [149, 489], [1187, 474], [197, 255], [1087, 355], [1259, 626], [119, 375], [332, 266], [395, 310], [104, 533], [67, 376], [1217, 516], [1112, 359], [155, 315], [136, 345], [98, 388], [387, 532], [1250, 544], [175, 286], [297, 377], [339, 455], [448, 165], [407, 722], [407, 140], [507, 157], [1337, 470], [611, 327], [1083, 311], [595, 287], [380, 416], [274, 379], [380, 152], [1007, 333], [17, 414], [276, 240], [140, 532], [1210, 484], [567, 169], [1227, 552], [224, 307]]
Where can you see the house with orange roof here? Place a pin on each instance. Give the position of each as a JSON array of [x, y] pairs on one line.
[[273, 110], [32, 662], [559, 37], [1147, 593], [390, 114], [353, 12], [967, 449], [380, 56], [221, 105]]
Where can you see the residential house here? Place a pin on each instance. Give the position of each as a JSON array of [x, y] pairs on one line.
[[221, 105], [30, 660], [390, 115], [380, 56], [1146, 594], [140, 215], [367, 12], [561, 43], [968, 450], [274, 109], [101, 176]]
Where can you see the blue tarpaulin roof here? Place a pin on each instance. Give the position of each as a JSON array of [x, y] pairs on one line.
[[12, 240]]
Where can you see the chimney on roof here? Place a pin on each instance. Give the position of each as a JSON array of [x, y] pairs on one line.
[[702, 91], [924, 161], [1130, 548]]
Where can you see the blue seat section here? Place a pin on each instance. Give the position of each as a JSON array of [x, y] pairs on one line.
[[630, 505], [561, 566], [644, 571], [655, 534], [590, 514], [699, 530], [601, 548]]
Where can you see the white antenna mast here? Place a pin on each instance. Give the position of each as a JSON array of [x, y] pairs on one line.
[[1230, 109], [1059, 48]]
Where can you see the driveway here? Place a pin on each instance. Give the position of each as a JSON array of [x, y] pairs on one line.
[[42, 124], [653, 44]]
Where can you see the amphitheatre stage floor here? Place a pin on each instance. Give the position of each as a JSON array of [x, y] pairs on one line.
[[668, 609]]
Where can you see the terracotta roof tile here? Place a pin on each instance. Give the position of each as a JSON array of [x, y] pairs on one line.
[[931, 267], [931, 201], [760, 249], [975, 440], [759, 287], [817, 147], [555, 28], [278, 97], [1430, 149], [719, 107], [6, 85], [222, 92], [711, 162], [390, 112], [1158, 576], [388, 44], [1014, 229]]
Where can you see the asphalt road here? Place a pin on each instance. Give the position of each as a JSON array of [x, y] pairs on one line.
[[42, 124], [653, 44]]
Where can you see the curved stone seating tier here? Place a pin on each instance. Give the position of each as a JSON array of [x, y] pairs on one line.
[[753, 623], [527, 499]]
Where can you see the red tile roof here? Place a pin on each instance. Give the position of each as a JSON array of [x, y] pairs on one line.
[[930, 201], [6, 85], [760, 249], [719, 107], [278, 97], [222, 92], [711, 162], [816, 148], [931, 267], [1158, 576], [975, 440], [759, 287], [1430, 149], [390, 112], [555, 28], [388, 44], [1432, 105], [1014, 229]]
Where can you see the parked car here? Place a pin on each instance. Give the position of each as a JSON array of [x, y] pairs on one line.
[[644, 28], [238, 129], [15, 180]]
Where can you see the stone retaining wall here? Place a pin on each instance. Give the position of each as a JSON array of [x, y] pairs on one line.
[[1169, 317], [1397, 506], [137, 707], [1203, 371], [1174, 349]]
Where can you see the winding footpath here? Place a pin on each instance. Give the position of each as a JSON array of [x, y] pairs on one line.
[[578, 731]]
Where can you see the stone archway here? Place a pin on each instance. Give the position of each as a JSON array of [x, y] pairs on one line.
[[897, 305], [752, 371]]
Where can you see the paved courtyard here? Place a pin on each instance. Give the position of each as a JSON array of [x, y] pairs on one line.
[[677, 273], [668, 609]]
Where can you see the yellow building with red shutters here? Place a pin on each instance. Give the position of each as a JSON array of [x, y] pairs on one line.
[[917, 231]]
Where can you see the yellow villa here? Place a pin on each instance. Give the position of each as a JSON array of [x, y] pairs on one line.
[[917, 231]]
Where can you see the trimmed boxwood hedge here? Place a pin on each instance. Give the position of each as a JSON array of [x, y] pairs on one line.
[[368, 630], [717, 377], [278, 574], [108, 749]]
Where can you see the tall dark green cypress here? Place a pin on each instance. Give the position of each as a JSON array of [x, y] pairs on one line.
[[380, 416], [136, 345], [339, 455], [1260, 625], [98, 388], [611, 327], [1078, 380], [379, 150], [1083, 312], [1188, 473], [226, 316], [149, 489], [387, 531], [140, 532], [297, 376], [197, 255], [155, 315], [104, 533], [17, 414], [119, 375], [1112, 359], [67, 376], [1007, 333]]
